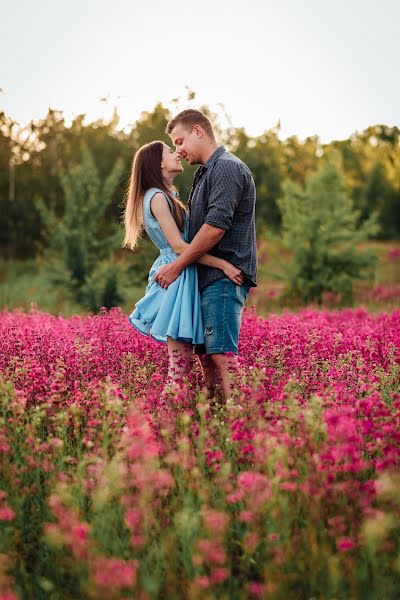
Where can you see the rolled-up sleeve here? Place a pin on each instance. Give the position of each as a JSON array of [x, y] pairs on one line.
[[225, 193]]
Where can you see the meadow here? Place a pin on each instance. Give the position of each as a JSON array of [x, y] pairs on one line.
[[290, 491]]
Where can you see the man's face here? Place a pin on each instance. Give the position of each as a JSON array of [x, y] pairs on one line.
[[187, 142]]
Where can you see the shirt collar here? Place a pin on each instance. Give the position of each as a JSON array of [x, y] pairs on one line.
[[213, 157], [211, 160]]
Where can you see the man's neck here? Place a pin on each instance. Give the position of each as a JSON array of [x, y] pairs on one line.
[[209, 151]]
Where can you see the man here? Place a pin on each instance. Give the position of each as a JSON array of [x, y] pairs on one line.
[[222, 222]]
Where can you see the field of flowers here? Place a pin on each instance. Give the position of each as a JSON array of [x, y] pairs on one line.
[[290, 492]]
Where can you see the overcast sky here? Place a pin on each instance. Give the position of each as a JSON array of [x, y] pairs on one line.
[[325, 68]]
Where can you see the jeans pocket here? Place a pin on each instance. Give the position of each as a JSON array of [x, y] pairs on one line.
[[242, 292]]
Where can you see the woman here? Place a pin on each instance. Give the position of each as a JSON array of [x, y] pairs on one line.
[[171, 315]]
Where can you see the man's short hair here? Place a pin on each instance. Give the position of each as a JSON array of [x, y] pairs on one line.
[[189, 118]]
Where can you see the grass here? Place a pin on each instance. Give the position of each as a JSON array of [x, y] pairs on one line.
[[23, 283], [274, 257]]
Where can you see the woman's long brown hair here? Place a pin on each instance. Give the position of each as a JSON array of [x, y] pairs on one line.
[[145, 174]]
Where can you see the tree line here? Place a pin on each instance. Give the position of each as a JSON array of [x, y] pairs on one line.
[[35, 161]]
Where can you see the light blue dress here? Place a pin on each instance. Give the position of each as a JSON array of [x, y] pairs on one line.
[[175, 311]]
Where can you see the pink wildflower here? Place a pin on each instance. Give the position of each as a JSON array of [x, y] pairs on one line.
[[6, 513], [344, 544]]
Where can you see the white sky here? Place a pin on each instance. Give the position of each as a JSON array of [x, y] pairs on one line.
[[321, 67]]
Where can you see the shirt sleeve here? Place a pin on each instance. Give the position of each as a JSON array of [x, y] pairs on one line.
[[225, 193]]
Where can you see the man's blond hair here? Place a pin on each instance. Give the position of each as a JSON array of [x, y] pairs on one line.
[[189, 118]]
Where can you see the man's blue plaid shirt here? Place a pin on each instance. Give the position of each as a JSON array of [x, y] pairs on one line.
[[224, 196]]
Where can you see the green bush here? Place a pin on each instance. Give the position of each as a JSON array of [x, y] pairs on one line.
[[321, 228], [79, 255]]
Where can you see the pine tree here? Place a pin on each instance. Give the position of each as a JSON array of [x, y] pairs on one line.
[[78, 257], [321, 228]]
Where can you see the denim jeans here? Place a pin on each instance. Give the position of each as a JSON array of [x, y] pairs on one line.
[[222, 305]]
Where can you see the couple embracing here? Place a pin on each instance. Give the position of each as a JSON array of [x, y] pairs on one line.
[[198, 285]]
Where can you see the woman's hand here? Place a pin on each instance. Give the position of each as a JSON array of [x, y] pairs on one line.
[[233, 273]]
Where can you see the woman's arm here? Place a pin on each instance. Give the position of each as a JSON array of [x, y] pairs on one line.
[[161, 211], [207, 259]]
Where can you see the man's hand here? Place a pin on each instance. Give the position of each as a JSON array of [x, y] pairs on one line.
[[167, 274]]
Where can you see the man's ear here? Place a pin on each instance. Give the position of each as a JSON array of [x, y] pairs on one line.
[[198, 130]]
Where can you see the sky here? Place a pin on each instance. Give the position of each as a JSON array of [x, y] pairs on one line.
[[319, 67]]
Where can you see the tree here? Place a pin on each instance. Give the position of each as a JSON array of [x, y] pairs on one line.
[[370, 161], [6, 188], [264, 156], [15, 144], [320, 227], [31, 159], [301, 158], [78, 258]]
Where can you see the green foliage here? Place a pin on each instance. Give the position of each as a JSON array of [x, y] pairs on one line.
[[321, 228], [32, 157], [140, 260], [103, 286], [78, 256], [371, 164], [265, 158]]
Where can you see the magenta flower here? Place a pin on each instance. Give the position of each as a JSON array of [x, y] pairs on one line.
[[345, 543], [6, 513]]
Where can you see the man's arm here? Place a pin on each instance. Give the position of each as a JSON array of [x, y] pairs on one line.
[[205, 239], [162, 212], [222, 203]]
